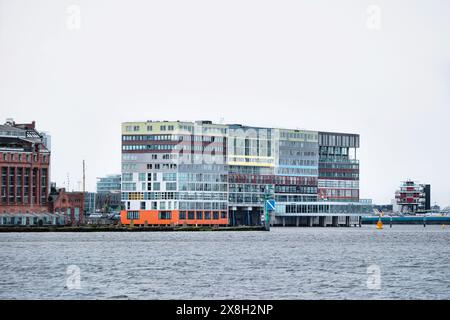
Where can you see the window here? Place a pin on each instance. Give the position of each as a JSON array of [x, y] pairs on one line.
[[154, 156], [132, 215], [171, 186], [170, 128], [142, 177], [216, 215], [156, 186], [191, 215], [165, 215], [162, 128], [136, 128], [143, 206], [169, 176], [129, 186], [223, 215], [199, 215], [127, 177], [182, 215], [154, 205], [149, 128], [207, 215]]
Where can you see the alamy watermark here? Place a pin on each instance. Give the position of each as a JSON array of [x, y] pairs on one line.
[[73, 280], [199, 145], [73, 17], [373, 19], [373, 277]]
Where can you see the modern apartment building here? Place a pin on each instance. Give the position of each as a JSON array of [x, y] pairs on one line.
[[110, 183], [200, 173]]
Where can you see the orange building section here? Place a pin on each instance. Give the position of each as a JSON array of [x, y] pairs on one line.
[[173, 217]]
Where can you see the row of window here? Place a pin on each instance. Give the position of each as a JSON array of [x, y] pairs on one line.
[[184, 205], [186, 128], [333, 151], [338, 165], [183, 215], [172, 137], [135, 147], [295, 189], [182, 147], [344, 193], [202, 177], [137, 128], [325, 208], [298, 135], [296, 198], [210, 196], [19, 157], [298, 162], [202, 215], [349, 184], [331, 139], [298, 171], [339, 175], [162, 137]]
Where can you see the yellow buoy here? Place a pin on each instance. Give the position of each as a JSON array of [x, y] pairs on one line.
[[379, 224]]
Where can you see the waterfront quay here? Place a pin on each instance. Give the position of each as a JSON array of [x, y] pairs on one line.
[[431, 220], [128, 229]]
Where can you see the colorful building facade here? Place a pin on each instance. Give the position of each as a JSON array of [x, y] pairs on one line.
[[200, 173], [413, 197]]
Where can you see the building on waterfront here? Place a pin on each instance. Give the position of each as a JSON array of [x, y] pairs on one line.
[[108, 197], [200, 173], [68, 205], [413, 197], [89, 203], [25, 174], [110, 183]]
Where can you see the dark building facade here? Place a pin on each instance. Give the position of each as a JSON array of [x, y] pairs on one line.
[[338, 167]]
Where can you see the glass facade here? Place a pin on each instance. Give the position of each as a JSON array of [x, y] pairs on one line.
[[205, 173]]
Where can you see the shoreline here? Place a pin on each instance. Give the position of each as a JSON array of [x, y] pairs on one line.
[[127, 229]]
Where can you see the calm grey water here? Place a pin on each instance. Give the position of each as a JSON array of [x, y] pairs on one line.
[[286, 263]]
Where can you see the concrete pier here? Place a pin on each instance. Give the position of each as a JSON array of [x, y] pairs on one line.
[[314, 221]]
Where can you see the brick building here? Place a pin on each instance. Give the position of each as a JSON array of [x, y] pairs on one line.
[[69, 205], [25, 169]]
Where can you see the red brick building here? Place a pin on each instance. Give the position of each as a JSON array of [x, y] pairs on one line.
[[24, 169], [70, 205]]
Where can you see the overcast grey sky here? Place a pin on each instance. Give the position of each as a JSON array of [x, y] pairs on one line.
[[377, 68]]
